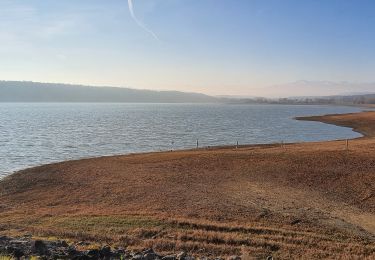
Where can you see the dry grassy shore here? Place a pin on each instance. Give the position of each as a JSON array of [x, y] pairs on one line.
[[302, 201]]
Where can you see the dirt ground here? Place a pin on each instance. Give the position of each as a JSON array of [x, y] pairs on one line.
[[304, 200]]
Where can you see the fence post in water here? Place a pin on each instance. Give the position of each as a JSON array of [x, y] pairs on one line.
[[197, 143], [237, 145]]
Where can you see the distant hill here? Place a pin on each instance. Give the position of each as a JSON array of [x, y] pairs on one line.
[[22, 91]]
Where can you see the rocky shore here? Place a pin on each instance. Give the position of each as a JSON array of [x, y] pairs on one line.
[[27, 247]]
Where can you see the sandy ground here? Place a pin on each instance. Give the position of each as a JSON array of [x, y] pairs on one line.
[[305, 200]]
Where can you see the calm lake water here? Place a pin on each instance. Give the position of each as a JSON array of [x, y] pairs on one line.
[[34, 134]]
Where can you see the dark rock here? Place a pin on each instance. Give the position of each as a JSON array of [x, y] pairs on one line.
[[9, 249], [105, 251], [234, 257], [82, 243], [58, 256], [3, 238], [148, 250], [119, 252], [150, 256], [62, 244], [71, 251], [137, 257], [81, 257], [169, 257], [14, 251], [181, 256], [94, 253], [17, 253], [39, 247]]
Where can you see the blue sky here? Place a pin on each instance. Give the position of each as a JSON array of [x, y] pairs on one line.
[[210, 46]]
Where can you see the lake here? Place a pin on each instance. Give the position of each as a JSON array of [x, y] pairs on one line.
[[38, 133]]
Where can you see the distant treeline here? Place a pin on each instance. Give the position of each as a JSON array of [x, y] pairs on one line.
[[330, 100], [339, 100]]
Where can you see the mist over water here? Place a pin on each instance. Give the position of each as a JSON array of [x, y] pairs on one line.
[[32, 134]]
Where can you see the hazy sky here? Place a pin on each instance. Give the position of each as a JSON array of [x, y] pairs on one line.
[[210, 46]]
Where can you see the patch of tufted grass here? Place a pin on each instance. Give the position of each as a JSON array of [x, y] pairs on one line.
[[114, 224]]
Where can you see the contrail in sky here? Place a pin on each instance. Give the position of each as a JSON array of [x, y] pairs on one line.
[[140, 24]]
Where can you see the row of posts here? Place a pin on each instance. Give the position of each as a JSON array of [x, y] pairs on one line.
[[282, 144], [198, 144]]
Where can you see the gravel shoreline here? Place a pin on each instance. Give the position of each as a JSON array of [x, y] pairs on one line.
[[26, 247]]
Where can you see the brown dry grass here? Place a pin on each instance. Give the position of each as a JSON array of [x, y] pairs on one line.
[[360, 122], [307, 200]]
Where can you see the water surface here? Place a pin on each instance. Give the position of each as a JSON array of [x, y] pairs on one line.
[[33, 134]]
